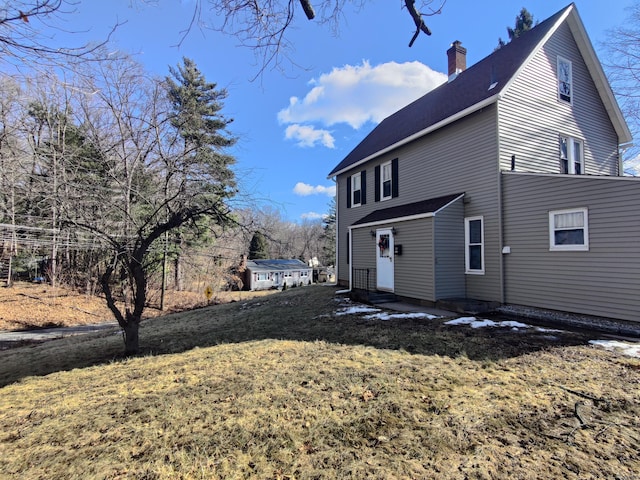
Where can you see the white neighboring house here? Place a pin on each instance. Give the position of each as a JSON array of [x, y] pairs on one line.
[[267, 274]]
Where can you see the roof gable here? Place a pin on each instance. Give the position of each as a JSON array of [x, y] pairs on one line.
[[477, 87]]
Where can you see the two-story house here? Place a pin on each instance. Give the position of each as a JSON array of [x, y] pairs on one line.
[[504, 185]]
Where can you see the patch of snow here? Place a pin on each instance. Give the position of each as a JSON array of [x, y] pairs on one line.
[[473, 322], [626, 348], [357, 309], [549, 330], [391, 316], [341, 292]]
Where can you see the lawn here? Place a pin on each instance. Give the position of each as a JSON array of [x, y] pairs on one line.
[[285, 387]]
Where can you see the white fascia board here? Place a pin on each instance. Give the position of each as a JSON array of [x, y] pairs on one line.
[[538, 47], [392, 220], [461, 114], [599, 77], [451, 202], [593, 64]]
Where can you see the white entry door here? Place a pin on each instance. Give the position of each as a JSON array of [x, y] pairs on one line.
[[384, 260]]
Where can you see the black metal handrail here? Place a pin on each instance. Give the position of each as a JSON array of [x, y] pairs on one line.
[[364, 279]]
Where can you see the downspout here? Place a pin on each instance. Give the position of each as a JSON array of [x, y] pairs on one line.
[[501, 203], [501, 234], [350, 259]]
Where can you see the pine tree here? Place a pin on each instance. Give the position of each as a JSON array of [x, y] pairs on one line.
[[329, 235], [523, 23], [258, 248], [196, 116]]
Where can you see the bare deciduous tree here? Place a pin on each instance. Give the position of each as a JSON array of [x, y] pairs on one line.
[[26, 33], [263, 26], [623, 68]]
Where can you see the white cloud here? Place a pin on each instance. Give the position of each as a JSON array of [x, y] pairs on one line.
[[308, 136], [632, 166], [312, 216], [358, 94], [304, 190]]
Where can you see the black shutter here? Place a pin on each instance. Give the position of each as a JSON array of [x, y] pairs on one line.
[[348, 192], [348, 247], [363, 187], [377, 182], [394, 178]]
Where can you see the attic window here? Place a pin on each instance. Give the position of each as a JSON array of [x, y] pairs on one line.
[[565, 80]]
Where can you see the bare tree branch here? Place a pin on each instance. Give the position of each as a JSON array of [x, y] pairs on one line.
[[308, 9], [261, 25], [26, 36], [417, 15]]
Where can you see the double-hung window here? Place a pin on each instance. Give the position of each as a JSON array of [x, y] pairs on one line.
[[571, 155], [356, 189], [569, 229], [386, 180], [474, 245], [565, 80]]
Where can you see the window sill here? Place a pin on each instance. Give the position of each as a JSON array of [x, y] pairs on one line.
[[569, 248], [474, 272]]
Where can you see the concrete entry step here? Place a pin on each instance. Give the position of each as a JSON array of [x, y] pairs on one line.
[[381, 297]]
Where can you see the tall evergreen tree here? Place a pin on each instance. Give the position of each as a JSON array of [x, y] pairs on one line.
[[329, 235], [196, 116], [258, 248], [523, 23]]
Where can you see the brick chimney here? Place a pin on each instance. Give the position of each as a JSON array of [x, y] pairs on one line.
[[457, 56]]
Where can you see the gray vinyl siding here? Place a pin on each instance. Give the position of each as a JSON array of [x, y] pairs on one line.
[[532, 117], [364, 249], [414, 271], [449, 252], [603, 281], [461, 157]]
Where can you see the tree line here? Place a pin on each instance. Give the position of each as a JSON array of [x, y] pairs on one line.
[[120, 174]]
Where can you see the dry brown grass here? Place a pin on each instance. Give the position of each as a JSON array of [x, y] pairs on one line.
[[282, 388], [27, 306]]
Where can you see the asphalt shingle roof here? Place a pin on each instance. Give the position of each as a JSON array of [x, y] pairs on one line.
[[277, 264], [469, 88], [417, 208]]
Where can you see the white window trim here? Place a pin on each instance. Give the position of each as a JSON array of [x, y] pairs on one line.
[[354, 190], [571, 141], [467, 244], [560, 60], [568, 248], [382, 195]]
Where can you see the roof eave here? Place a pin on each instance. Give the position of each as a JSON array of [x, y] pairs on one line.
[[461, 114], [406, 218]]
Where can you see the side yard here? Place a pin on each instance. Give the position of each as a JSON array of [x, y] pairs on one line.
[[304, 384]]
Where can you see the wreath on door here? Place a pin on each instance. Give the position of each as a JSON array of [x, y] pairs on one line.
[[383, 243]]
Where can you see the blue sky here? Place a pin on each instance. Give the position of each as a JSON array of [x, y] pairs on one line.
[[295, 126]]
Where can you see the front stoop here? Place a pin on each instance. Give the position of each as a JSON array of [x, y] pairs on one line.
[[376, 298]]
